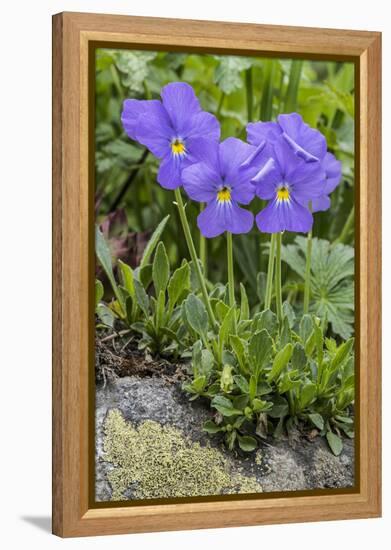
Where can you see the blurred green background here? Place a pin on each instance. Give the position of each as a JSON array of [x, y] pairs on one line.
[[129, 201]]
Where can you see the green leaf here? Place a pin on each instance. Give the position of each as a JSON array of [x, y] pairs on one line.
[[289, 313], [135, 68], [306, 327], [153, 241], [210, 427], [227, 327], [242, 383], [332, 284], [260, 406], [196, 314], [307, 394], [280, 362], [260, 348], [141, 297], [317, 420], [127, 277], [105, 315], [244, 307], [199, 384], [342, 354], [99, 291], [268, 320], [179, 282], [335, 443], [299, 358], [160, 269], [280, 407], [160, 306], [285, 336], [224, 406], [247, 443], [228, 72], [238, 346], [103, 254]]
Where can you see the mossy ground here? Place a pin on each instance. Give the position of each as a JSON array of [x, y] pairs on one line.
[[155, 461]]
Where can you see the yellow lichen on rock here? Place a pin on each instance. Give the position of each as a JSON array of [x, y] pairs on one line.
[[157, 461]]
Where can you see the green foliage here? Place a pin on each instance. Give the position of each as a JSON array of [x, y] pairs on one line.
[[332, 287]]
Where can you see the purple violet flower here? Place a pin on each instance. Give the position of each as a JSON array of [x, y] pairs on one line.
[[222, 180], [175, 130], [307, 143], [289, 183]]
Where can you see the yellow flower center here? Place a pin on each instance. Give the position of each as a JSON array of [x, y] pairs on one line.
[[283, 194], [224, 194], [178, 147]]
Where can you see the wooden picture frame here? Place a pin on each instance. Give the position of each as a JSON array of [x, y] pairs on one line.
[[74, 37]]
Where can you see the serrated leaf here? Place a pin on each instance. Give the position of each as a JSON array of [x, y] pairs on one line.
[[332, 284], [228, 72]]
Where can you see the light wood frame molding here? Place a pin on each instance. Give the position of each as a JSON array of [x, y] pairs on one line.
[[72, 35]]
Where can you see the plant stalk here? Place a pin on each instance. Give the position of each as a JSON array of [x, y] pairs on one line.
[[193, 255], [307, 281], [231, 279], [249, 94], [293, 86], [278, 276], [270, 272], [203, 248], [347, 228], [266, 110]]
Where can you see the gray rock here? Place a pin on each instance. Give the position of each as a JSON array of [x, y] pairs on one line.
[[277, 465]]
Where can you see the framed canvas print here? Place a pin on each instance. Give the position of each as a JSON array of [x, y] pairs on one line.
[[216, 352]]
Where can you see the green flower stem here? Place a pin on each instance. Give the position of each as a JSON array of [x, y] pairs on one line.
[[307, 281], [278, 276], [220, 105], [249, 93], [193, 254], [347, 228], [270, 271], [203, 248], [293, 85], [231, 280], [266, 109]]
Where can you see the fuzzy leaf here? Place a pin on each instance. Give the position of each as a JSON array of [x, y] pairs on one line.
[[160, 269], [196, 314], [335, 443], [280, 362]]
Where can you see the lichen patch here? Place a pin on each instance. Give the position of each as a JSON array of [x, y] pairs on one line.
[[155, 461]]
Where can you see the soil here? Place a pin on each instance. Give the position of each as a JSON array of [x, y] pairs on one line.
[[143, 389]]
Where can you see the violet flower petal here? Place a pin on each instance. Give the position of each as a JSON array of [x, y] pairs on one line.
[[284, 216]]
